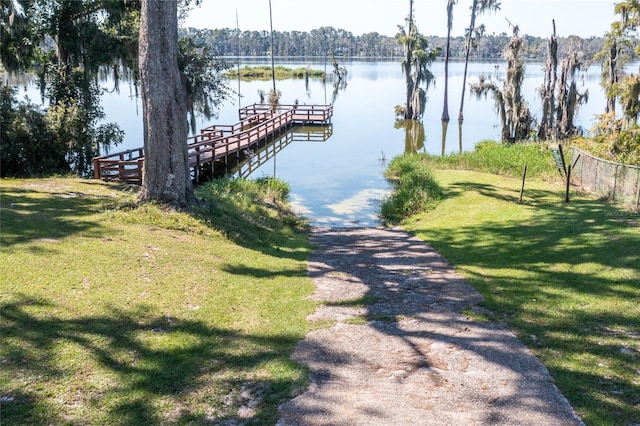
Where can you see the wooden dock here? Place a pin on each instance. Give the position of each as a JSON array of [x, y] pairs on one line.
[[262, 153], [219, 142]]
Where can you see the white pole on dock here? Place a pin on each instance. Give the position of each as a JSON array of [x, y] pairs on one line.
[[273, 70], [238, 65]]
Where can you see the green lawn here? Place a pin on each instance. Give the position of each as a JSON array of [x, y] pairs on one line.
[[117, 314], [564, 277]]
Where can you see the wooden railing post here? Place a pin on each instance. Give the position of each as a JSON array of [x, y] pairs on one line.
[[96, 168], [121, 173]]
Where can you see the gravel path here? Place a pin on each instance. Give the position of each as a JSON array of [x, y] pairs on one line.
[[410, 356]]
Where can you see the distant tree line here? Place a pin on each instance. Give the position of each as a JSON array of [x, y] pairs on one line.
[[320, 42]]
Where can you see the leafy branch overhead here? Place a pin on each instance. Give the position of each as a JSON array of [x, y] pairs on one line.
[[71, 45]]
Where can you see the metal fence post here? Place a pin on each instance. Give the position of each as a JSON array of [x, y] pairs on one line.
[[638, 189], [615, 182]]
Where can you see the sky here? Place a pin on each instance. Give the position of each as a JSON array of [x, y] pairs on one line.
[[584, 18]]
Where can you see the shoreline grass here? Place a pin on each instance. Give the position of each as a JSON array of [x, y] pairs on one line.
[[564, 276], [119, 314], [502, 159], [415, 188]]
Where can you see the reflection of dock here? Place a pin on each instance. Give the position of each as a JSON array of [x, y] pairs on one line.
[[256, 158], [220, 142]]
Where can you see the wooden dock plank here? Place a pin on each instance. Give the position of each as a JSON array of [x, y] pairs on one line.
[[257, 123]]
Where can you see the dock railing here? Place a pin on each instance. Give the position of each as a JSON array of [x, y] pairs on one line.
[[304, 114], [257, 122], [126, 166]]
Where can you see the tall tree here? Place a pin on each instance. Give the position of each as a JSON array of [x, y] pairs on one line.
[[478, 7], [272, 50], [569, 99], [74, 43], [17, 36], [560, 96], [445, 107], [415, 66], [630, 98], [515, 117], [166, 176], [623, 33]]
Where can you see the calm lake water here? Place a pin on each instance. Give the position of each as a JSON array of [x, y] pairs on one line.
[[339, 182]]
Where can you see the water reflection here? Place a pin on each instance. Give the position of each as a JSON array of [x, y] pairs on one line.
[[414, 135], [252, 159], [339, 85]]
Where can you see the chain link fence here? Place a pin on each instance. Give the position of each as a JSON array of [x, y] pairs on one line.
[[618, 182]]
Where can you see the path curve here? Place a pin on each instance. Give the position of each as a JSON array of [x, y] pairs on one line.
[[402, 352]]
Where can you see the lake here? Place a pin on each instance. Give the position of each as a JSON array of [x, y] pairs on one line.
[[339, 182]]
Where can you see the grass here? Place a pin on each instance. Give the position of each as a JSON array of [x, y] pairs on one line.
[[564, 277], [502, 159], [415, 188], [114, 313], [263, 72]]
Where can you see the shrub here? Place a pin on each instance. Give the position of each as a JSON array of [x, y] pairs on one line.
[[273, 188], [28, 147], [415, 188], [622, 146]]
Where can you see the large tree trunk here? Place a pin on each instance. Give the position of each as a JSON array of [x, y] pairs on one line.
[[166, 175]]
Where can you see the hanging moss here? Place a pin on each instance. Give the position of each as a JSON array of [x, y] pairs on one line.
[[515, 117]]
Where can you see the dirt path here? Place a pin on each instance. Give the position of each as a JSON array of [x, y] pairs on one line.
[[414, 358]]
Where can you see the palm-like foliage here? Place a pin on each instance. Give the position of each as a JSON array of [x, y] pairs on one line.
[[417, 59]]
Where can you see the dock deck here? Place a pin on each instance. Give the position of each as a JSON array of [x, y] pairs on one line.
[[213, 143]]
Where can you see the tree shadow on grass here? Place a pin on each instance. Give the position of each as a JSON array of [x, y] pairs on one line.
[[262, 273], [39, 215], [48, 213], [131, 367], [579, 258], [574, 233], [266, 227]]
